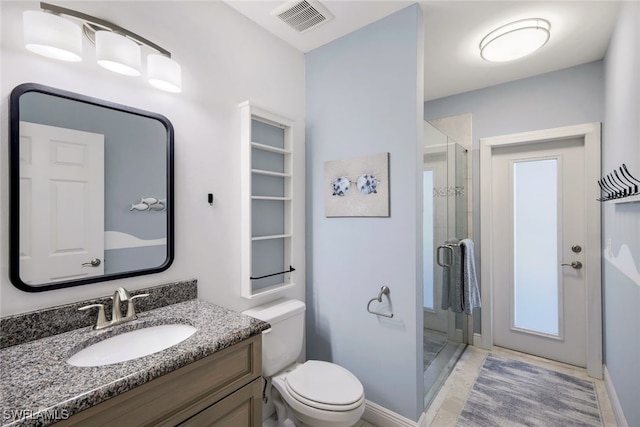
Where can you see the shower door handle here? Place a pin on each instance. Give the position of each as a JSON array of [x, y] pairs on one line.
[[438, 256]]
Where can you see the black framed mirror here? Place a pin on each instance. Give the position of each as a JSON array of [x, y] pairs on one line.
[[91, 190]]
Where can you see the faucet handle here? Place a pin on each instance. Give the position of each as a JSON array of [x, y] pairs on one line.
[[131, 309], [102, 319]]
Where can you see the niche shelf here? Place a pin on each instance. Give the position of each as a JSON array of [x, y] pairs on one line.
[[266, 202]]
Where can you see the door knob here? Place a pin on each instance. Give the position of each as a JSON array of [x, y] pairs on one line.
[[94, 263], [575, 264]]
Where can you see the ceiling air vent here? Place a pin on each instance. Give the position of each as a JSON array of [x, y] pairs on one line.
[[303, 15]]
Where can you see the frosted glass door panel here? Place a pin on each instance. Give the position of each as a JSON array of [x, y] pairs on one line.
[[535, 246]]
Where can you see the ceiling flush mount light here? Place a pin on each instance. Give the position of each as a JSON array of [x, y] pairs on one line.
[[51, 34], [515, 40]]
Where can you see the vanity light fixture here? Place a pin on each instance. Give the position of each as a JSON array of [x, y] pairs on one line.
[[515, 40], [164, 73], [49, 33], [117, 53], [52, 36]]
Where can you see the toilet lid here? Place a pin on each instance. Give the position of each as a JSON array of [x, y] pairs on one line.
[[324, 383]]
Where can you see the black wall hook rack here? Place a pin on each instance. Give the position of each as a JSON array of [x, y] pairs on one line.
[[618, 185], [291, 269]]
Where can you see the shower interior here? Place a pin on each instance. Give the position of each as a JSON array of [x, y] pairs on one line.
[[444, 218]]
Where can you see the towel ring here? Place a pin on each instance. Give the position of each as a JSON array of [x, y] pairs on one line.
[[383, 291]]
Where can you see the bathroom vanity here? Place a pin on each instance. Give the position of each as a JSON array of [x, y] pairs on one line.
[[224, 388], [212, 377]]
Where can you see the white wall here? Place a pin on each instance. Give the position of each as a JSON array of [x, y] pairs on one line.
[[364, 97], [226, 59], [622, 221]]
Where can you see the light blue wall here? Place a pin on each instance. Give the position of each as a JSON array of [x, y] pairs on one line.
[[622, 221], [561, 98], [363, 95], [567, 97]]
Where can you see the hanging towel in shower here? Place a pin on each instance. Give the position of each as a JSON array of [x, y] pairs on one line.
[[451, 285], [470, 293]]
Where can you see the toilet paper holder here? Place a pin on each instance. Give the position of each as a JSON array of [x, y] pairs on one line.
[[383, 291]]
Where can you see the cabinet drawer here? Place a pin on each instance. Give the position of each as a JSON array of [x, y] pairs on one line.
[[178, 395], [241, 409]]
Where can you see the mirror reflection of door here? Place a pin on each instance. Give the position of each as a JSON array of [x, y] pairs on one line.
[[135, 170], [61, 203]]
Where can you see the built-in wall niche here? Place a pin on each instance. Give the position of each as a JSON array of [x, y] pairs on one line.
[[266, 186]]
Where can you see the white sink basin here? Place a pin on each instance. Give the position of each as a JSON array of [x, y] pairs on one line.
[[131, 345]]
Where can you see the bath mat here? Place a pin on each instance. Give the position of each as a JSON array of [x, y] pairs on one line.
[[433, 345], [511, 393]]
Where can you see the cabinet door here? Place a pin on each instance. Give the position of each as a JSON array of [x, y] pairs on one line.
[[240, 409], [178, 395]]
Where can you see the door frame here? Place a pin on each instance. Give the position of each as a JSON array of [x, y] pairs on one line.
[[591, 133]]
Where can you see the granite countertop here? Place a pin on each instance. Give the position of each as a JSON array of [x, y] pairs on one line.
[[38, 387]]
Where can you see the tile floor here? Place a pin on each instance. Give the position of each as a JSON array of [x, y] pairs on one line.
[[448, 403]]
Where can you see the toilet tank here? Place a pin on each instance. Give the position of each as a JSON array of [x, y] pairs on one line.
[[282, 343]]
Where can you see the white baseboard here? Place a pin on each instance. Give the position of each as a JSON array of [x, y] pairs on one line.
[[477, 340], [613, 398], [382, 417]]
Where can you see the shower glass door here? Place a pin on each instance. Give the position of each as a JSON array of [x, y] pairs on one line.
[[444, 219]]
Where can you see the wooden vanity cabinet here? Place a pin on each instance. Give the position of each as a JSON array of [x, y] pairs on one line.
[[223, 389]]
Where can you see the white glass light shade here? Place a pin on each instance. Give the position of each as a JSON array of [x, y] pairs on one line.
[[52, 36], [164, 73], [515, 40], [118, 53]]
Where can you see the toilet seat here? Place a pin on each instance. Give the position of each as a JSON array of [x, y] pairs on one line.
[[325, 386]]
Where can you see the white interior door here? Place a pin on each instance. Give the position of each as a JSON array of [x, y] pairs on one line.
[[570, 156], [538, 217], [61, 205]]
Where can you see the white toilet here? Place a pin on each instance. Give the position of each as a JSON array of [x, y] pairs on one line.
[[314, 393]]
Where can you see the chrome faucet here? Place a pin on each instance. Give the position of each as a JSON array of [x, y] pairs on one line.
[[119, 296]]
